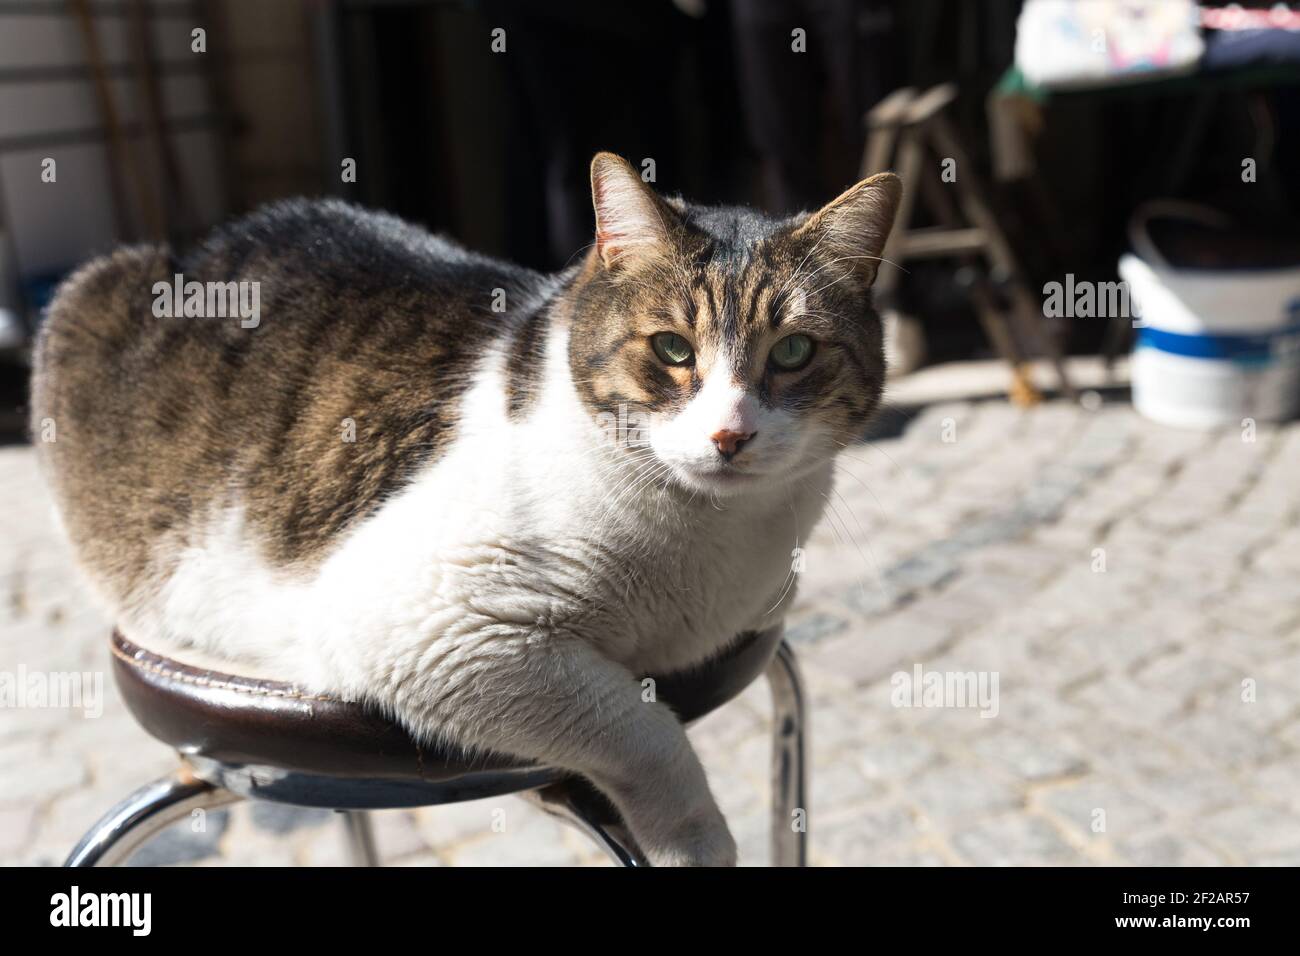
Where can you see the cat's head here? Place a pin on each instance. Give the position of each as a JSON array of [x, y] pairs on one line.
[[733, 349]]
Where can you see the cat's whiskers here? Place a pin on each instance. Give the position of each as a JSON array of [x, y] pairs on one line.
[[902, 472], [797, 274], [610, 471], [581, 252], [858, 478], [845, 258], [844, 275], [873, 566], [790, 576]]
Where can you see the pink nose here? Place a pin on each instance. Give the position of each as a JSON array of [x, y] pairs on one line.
[[729, 442]]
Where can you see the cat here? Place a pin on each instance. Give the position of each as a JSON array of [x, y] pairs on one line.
[[484, 499]]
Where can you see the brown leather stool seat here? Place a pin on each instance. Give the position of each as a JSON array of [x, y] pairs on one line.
[[239, 721]]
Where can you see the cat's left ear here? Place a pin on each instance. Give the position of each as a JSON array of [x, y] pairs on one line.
[[853, 228], [632, 222]]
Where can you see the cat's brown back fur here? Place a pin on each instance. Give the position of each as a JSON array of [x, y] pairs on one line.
[[158, 422]]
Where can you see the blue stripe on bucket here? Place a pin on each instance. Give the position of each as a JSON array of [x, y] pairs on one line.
[[1256, 347]]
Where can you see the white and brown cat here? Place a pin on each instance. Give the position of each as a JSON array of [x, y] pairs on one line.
[[483, 499]]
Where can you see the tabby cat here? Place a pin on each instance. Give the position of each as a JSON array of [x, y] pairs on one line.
[[481, 498]]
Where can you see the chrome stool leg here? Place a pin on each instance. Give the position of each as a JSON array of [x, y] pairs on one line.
[[151, 808], [789, 761], [360, 838], [578, 804]]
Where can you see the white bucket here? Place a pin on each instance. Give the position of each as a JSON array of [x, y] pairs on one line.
[[1214, 347]]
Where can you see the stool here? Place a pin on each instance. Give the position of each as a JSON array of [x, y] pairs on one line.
[[246, 738]]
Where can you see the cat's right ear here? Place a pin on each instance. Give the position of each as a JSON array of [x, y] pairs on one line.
[[632, 222], [854, 227]]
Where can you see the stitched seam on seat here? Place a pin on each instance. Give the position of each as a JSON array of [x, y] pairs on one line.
[[170, 674]]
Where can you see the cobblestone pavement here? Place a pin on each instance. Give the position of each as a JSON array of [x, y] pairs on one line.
[[1133, 590]]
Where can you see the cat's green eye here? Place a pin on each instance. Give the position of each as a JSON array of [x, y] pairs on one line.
[[671, 348], [792, 353]]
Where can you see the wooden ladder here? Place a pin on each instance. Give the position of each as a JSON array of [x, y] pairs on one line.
[[902, 129]]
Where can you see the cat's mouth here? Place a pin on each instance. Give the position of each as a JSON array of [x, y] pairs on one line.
[[720, 477]]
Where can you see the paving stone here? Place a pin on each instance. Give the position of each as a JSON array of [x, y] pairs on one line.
[[17, 826], [961, 725], [534, 840], [1190, 675], [1184, 793], [1252, 831], [752, 833], [909, 856], [1125, 752], [1261, 609], [183, 842], [1270, 707], [844, 785], [1282, 555], [736, 721], [1168, 849], [955, 793], [1029, 560], [1120, 645], [266, 852], [33, 775], [870, 600], [880, 649], [1280, 782], [894, 758], [1026, 704], [454, 823], [1124, 701], [920, 571], [990, 650], [841, 725], [1130, 543], [1014, 840], [325, 844], [859, 837], [971, 599], [1226, 742], [24, 726], [743, 785], [281, 818], [1080, 806], [814, 627], [1028, 757], [397, 834], [1171, 515]]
